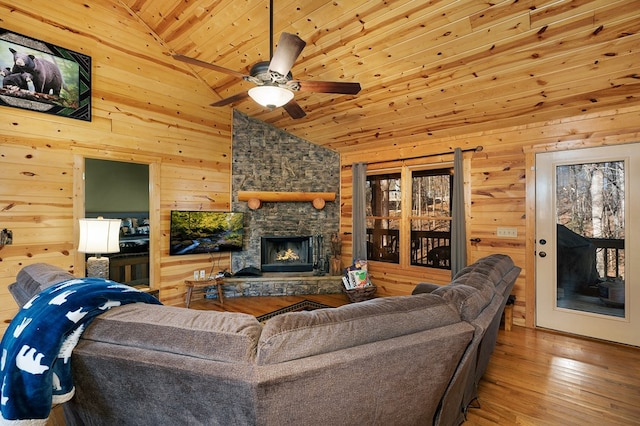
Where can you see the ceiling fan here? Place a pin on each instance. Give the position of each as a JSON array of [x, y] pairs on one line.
[[274, 82]]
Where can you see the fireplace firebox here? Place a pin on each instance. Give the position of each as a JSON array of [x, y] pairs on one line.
[[287, 254]]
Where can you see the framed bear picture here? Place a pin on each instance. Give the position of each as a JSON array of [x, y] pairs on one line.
[[43, 77]]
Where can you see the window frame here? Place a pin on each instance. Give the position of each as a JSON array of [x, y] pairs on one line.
[[441, 259], [406, 174], [371, 232]]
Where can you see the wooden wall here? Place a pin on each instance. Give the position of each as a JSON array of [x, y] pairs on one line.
[[146, 108], [500, 183]]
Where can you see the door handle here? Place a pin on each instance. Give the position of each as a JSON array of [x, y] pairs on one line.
[[475, 240]]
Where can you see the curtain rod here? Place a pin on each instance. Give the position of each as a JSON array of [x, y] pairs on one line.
[[476, 149]]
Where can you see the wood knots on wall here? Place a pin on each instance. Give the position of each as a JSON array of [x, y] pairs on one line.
[[255, 199]]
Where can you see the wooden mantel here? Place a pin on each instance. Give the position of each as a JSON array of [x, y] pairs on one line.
[[255, 199]]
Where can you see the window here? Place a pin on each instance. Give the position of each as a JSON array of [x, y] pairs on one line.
[[384, 209], [431, 194], [417, 236]]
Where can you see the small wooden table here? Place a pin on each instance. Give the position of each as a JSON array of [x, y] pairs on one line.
[[191, 284], [508, 317]]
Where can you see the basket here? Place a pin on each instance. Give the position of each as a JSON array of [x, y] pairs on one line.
[[360, 294]]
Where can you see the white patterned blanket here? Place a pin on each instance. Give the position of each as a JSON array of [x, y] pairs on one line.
[[35, 368]]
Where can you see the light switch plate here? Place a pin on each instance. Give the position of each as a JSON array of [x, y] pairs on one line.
[[505, 232]]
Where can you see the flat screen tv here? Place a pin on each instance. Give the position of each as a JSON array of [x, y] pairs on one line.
[[194, 232]]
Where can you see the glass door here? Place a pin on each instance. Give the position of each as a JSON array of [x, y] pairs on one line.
[[585, 242]]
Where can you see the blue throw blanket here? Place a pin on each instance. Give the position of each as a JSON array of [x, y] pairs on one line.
[[36, 348]]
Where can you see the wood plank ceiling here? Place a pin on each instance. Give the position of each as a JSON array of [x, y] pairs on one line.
[[427, 68]]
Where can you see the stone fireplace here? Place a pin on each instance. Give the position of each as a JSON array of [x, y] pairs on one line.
[[269, 159], [266, 158], [286, 254]]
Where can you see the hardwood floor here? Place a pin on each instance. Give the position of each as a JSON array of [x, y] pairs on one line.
[[538, 377], [535, 377]]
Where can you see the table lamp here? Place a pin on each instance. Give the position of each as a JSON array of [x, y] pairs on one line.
[[99, 236]]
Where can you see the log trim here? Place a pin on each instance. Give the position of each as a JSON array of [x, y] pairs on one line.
[[256, 198]]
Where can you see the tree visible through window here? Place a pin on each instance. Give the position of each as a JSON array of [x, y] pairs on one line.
[[423, 230], [431, 196], [383, 217], [590, 203]]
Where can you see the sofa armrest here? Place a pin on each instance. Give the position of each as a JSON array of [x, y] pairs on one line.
[[34, 278], [425, 288]]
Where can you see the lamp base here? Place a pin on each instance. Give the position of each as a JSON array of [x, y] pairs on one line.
[[98, 267]]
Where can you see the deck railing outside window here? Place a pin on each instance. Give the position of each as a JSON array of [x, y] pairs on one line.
[[609, 257], [428, 248]]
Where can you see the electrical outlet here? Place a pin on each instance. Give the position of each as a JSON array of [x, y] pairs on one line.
[[202, 274], [195, 275], [505, 232]]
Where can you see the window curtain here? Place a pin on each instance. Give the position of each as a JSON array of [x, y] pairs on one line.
[[359, 224], [458, 229]]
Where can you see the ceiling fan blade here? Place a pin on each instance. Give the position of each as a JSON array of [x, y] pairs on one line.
[[199, 63], [294, 109], [287, 51], [231, 99], [345, 88]]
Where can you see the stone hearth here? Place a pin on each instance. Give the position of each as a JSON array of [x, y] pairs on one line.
[[279, 284]]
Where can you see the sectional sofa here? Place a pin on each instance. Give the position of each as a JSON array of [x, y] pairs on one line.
[[403, 360]]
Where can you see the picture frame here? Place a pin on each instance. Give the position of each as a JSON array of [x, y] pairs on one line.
[[43, 77]]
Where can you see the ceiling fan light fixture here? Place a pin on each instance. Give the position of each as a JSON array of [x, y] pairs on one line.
[[271, 96]]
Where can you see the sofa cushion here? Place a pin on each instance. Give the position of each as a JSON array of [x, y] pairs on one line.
[[218, 336], [500, 262], [494, 266], [34, 278], [479, 280], [469, 294], [503, 270], [464, 271], [301, 334], [425, 288]]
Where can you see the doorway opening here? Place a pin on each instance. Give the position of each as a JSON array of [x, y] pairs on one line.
[[120, 190], [122, 187]]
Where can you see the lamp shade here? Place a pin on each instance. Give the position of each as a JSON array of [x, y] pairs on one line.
[[99, 236], [271, 96]]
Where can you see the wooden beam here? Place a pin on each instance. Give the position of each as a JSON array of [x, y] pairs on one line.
[[256, 198]]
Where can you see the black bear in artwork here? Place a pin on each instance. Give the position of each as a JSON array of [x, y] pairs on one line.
[[46, 75], [19, 79]]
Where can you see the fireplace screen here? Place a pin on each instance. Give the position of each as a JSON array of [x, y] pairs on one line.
[[287, 254]]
